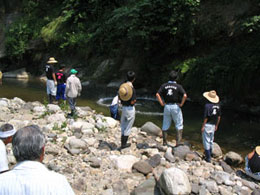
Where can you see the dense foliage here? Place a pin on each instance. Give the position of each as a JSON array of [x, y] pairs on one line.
[[203, 39]]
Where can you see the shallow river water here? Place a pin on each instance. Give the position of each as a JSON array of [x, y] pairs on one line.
[[236, 132]]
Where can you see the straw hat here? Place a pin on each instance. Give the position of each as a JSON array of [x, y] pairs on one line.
[[257, 149], [125, 92], [211, 96], [52, 60]]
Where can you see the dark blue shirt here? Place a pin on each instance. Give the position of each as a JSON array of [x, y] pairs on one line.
[[212, 112], [171, 92]]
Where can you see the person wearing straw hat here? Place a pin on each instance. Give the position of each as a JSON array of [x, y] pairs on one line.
[[252, 163], [51, 79], [172, 97], [73, 90], [212, 113], [127, 96], [6, 133]]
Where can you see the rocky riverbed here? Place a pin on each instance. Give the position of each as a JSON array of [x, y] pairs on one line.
[[85, 150]]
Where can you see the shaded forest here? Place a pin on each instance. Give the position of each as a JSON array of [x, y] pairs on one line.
[[213, 44]]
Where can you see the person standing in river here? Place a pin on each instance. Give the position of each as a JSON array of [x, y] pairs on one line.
[[73, 90], [51, 79], [211, 121], [127, 96], [172, 97], [61, 83]]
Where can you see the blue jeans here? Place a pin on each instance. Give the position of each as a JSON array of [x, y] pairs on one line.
[[72, 103], [249, 172], [172, 112], [208, 136], [61, 91], [127, 120]]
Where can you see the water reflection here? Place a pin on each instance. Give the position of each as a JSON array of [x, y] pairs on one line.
[[236, 132]]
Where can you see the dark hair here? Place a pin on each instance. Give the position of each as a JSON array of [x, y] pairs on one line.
[[28, 143], [6, 127], [62, 66], [173, 75], [130, 75]]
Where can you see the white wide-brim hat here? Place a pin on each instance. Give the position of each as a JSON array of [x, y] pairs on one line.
[[52, 60], [211, 96], [125, 92]]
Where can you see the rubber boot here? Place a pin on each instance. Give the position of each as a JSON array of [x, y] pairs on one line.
[[50, 99], [207, 155], [164, 133], [125, 144], [178, 137]]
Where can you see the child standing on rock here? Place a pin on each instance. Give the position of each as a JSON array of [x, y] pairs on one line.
[[211, 121]]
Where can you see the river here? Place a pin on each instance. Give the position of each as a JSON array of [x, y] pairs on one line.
[[237, 132]]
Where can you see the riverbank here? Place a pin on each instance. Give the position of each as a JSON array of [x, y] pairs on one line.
[[85, 151]]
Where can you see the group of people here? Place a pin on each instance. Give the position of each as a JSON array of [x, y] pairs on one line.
[[61, 87], [29, 176], [172, 97]]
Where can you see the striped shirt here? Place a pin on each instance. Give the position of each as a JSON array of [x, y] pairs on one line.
[[33, 178]]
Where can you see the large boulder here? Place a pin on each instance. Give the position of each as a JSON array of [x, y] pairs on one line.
[[233, 158], [151, 129], [216, 150], [174, 181], [146, 188], [143, 167], [20, 74], [123, 162], [75, 143], [181, 151]]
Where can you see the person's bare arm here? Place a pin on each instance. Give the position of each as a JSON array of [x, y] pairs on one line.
[[250, 155], [54, 77], [184, 97], [218, 121], [203, 124], [160, 99]]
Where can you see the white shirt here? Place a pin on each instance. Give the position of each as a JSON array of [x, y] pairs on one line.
[[3, 157], [73, 86], [33, 178]]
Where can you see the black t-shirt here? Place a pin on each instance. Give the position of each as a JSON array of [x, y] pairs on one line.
[[212, 112], [49, 70], [254, 163], [171, 92], [60, 77], [128, 103]]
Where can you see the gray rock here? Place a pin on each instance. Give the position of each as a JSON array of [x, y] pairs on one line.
[[174, 181], [195, 188], [19, 73], [155, 160], [94, 162], [224, 191], [148, 187], [216, 150], [192, 156], [151, 129], [169, 156], [233, 158], [80, 184], [120, 188], [77, 143], [256, 192], [123, 162], [143, 167], [53, 108], [181, 151], [204, 191], [210, 185], [226, 167], [220, 177]]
